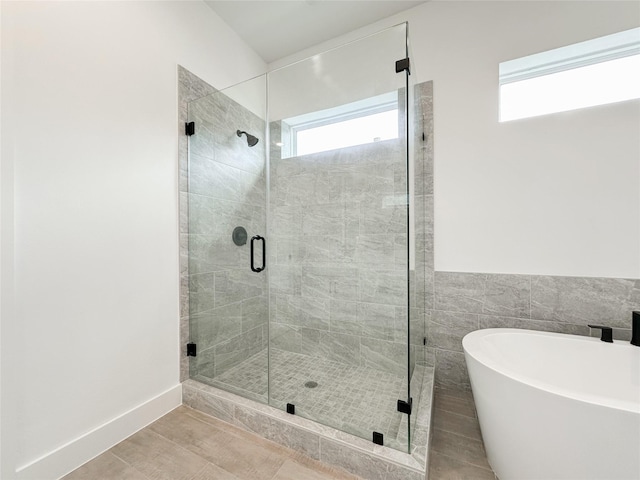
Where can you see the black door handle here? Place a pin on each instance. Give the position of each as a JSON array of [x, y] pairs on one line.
[[264, 253]]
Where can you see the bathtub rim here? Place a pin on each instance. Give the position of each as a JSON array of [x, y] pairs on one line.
[[472, 348]]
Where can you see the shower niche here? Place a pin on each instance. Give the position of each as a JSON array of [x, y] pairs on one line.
[[320, 313]]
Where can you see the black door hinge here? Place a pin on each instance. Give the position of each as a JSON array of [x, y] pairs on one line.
[[424, 341], [378, 438], [405, 407], [402, 65], [291, 408], [190, 128], [191, 349]]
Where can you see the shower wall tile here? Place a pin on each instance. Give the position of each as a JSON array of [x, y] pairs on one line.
[[343, 317], [217, 325], [384, 355], [286, 220], [380, 321], [383, 286], [606, 301], [332, 346], [201, 292], [286, 279], [311, 312], [329, 219], [226, 188], [329, 282], [211, 178], [239, 348], [236, 285], [254, 312], [285, 337]]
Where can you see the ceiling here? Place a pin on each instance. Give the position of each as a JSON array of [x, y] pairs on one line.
[[276, 29]]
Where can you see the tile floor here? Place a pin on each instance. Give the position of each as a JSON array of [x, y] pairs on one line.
[[355, 399], [457, 451], [188, 445]]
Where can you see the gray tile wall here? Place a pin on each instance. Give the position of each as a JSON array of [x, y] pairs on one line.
[[222, 185], [338, 256], [464, 302]]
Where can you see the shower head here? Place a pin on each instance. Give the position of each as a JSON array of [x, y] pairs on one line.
[[251, 140]]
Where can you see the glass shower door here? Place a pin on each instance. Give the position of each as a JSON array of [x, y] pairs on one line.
[[339, 238], [228, 303]]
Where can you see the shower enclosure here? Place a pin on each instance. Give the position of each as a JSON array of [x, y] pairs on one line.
[[302, 271]]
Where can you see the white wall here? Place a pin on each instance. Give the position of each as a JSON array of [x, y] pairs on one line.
[[90, 106], [554, 195]]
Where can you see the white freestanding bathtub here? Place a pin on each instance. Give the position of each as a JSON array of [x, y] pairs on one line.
[[554, 406]]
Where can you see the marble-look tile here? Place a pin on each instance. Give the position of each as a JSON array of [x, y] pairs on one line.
[[307, 189], [374, 250], [254, 312], [343, 317], [215, 326], [329, 282], [108, 467], [211, 253], [210, 178], [336, 347], [184, 339], [378, 218], [382, 321], [446, 329], [158, 458], [581, 300], [231, 352], [184, 254], [451, 370], [448, 467], [497, 294], [383, 286], [184, 296], [201, 292], [492, 321], [285, 337], [384, 355], [330, 219], [286, 279], [210, 404], [282, 433], [236, 285], [311, 312], [364, 464]]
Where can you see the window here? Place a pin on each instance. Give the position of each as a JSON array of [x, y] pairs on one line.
[[370, 120], [596, 72]]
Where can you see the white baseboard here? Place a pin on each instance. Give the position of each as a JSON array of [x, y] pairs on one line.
[[67, 458]]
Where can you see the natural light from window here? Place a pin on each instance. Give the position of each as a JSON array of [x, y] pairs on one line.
[[347, 133], [597, 72]]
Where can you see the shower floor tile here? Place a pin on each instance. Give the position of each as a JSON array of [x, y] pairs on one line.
[[355, 399]]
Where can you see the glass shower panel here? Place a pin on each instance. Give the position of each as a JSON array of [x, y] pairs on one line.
[[338, 234], [228, 303]]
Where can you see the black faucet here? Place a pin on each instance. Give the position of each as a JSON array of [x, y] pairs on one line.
[[607, 333], [635, 329]]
